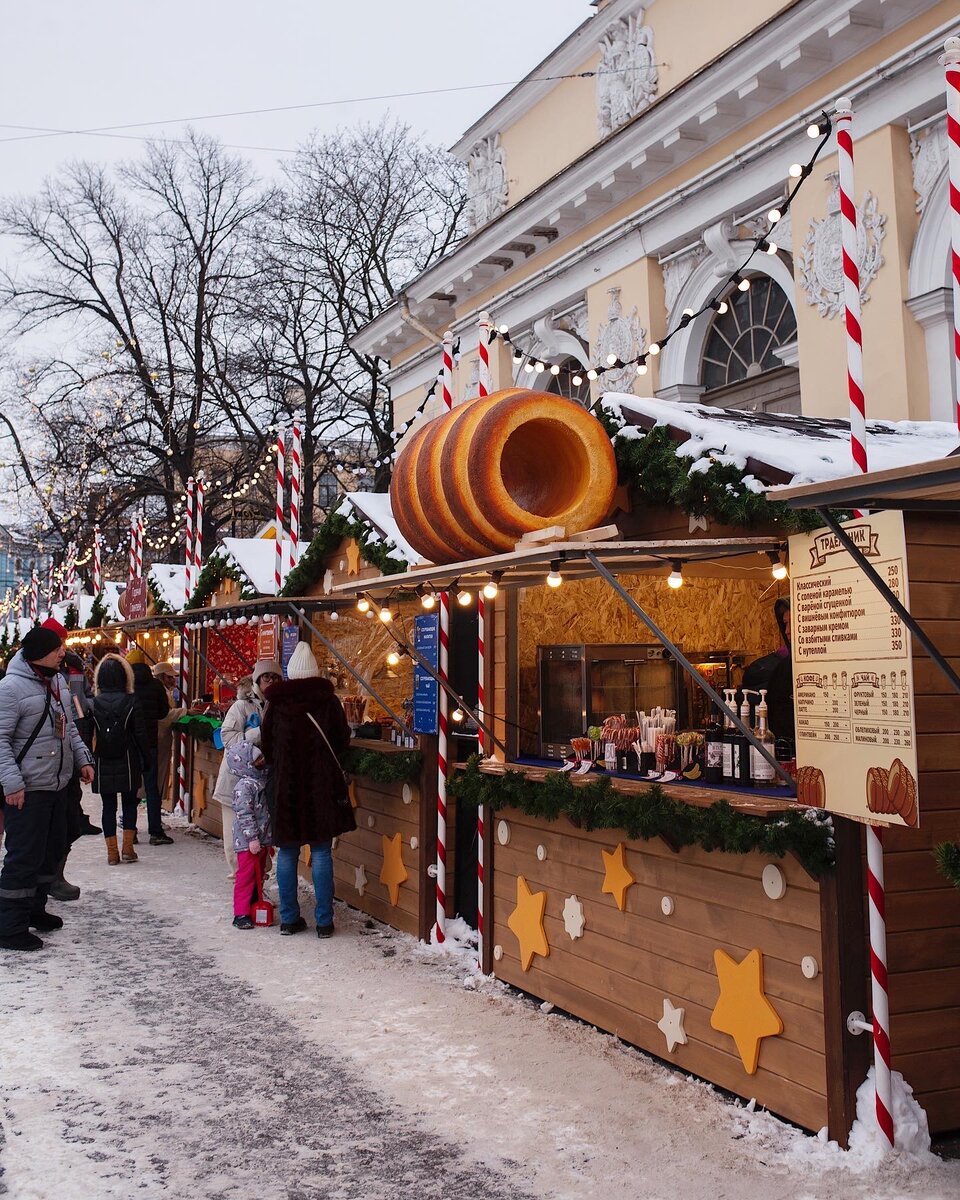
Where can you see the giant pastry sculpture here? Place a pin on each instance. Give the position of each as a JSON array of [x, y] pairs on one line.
[[472, 482]]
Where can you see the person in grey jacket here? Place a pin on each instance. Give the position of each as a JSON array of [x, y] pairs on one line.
[[251, 826], [39, 745]]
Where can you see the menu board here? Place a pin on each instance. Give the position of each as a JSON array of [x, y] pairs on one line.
[[426, 690], [853, 675]]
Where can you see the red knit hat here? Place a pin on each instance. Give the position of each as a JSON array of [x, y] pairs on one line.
[[54, 624]]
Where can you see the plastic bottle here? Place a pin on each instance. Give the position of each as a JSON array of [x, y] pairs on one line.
[[731, 739], [762, 773], [743, 776]]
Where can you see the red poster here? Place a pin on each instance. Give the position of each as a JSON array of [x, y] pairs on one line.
[[134, 605], [268, 637]]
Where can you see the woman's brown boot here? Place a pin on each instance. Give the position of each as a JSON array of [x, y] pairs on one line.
[[113, 854], [129, 854]]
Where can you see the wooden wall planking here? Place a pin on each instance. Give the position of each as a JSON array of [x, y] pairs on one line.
[[617, 975]]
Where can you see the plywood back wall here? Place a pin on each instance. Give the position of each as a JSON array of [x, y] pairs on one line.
[[705, 614], [364, 643]]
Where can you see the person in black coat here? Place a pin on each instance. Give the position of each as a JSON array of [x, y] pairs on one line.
[[119, 738], [151, 698], [303, 736]]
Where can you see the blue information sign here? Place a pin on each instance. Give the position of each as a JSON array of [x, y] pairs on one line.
[[289, 637], [426, 642]]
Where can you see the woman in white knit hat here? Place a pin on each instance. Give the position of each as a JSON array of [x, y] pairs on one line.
[[303, 737]]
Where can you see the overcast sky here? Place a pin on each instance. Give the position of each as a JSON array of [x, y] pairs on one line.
[[83, 64]]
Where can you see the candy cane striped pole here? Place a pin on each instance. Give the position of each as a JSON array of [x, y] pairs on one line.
[[50, 589], [483, 352], [183, 785], [138, 554], [72, 573], [296, 479], [97, 563], [858, 447], [188, 582], [34, 596], [443, 668], [951, 62], [482, 746], [281, 480], [132, 563]]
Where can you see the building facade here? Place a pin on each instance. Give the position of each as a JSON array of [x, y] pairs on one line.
[[624, 179]]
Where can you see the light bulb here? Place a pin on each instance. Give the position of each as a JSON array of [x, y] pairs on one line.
[[504, 328], [385, 615], [774, 215], [591, 374], [654, 348], [464, 598], [675, 578], [779, 571], [554, 370], [795, 171], [457, 715], [577, 380], [363, 604], [538, 367], [641, 368], [611, 359], [490, 590], [529, 368], [334, 615], [393, 658], [722, 307], [428, 600], [772, 247], [814, 130], [554, 579], [744, 285]]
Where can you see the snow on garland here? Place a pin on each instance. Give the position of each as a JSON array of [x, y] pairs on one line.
[[216, 569], [805, 833], [947, 855], [312, 564]]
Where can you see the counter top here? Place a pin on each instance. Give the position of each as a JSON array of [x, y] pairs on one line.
[[756, 802], [379, 747]]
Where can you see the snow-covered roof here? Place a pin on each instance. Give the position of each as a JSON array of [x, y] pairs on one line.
[[257, 559], [373, 509], [798, 449], [168, 583]]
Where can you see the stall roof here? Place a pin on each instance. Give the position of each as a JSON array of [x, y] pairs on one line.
[[524, 566], [257, 559], [373, 508], [931, 486]]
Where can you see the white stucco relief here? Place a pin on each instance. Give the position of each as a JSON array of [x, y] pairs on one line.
[[486, 181], [623, 336], [928, 150], [627, 74], [820, 264]]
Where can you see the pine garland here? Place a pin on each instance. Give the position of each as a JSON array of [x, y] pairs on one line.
[[71, 619], [651, 467], [599, 805], [335, 527], [381, 767], [159, 605], [947, 855], [98, 613], [216, 569]]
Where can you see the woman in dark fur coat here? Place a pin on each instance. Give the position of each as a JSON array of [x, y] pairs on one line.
[[119, 737], [304, 735]]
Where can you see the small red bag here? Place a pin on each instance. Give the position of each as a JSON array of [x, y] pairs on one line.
[[261, 911]]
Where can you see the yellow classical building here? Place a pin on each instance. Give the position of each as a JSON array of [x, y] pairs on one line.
[[628, 174]]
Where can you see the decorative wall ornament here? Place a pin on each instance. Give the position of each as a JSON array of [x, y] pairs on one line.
[[486, 181], [624, 337], [718, 240], [556, 342], [573, 919], [627, 74], [780, 234], [676, 272], [671, 1025], [928, 149], [579, 322], [819, 263]]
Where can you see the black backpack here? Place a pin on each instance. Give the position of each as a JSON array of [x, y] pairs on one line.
[[111, 733]]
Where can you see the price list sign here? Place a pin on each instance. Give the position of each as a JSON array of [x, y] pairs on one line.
[[853, 674]]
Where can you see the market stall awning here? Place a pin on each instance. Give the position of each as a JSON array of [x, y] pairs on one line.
[[920, 487], [526, 565]]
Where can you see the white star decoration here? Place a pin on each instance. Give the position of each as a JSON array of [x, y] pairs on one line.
[[361, 881], [573, 917], [696, 523], [671, 1026]]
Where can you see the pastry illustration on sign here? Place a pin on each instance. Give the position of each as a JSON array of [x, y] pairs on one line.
[[811, 787], [893, 791]]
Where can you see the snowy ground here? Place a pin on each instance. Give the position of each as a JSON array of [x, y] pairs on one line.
[[150, 1050]]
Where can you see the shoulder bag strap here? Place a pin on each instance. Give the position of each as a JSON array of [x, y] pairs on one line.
[[36, 732], [319, 729]]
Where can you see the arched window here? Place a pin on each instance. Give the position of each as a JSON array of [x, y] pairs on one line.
[[328, 489], [743, 341], [563, 385]]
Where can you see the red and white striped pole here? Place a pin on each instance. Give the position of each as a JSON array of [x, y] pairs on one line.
[[51, 594], [484, 382], [72, 573], [138, 554], [484, 325], [281, 480], [296, 478], [97, 563], [188, 583], [443, 669], [132, 565], [951, 62], [34, 596], [197, 531], [858, 448], [183, 784]]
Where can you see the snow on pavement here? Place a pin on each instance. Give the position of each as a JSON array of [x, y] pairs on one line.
[[151, 1050]]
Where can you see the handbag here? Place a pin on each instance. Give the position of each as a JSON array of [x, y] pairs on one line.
[[261, 911]]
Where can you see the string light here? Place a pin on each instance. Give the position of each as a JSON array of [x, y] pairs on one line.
[[464, 598], [554, 579], [675, 578], [777, 569], [363, 604]]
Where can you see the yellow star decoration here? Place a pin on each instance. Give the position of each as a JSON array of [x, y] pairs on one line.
[[617, 877], [394, 872], [352, 550], [742, 1010], [526, 923]]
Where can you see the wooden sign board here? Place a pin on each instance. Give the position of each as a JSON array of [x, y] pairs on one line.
[[135, 598], [853, 675], [267, 638]]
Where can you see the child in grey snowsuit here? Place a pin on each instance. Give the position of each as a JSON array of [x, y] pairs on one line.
[[251, 825]]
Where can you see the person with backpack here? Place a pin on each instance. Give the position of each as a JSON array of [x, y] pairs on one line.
[[303, 737], [119, 738], [151, 698], [39, 748]]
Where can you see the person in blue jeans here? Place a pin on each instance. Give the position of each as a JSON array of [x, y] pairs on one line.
[[150, 696], [303, 737]]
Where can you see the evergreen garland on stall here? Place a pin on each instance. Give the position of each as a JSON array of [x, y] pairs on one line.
[[334, 529], [650, 465], [383, 767], [650, 814], [159, 605], [98, 613], [215, 570], [947, 855], [71, 619]]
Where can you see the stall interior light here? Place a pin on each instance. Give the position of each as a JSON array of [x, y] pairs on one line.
[[458, 715], [777, 569], [492, 586], [385, 614], [428, 600], [675, 578], [393, 658], [554, 579], [464, 598], [363, 604]]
